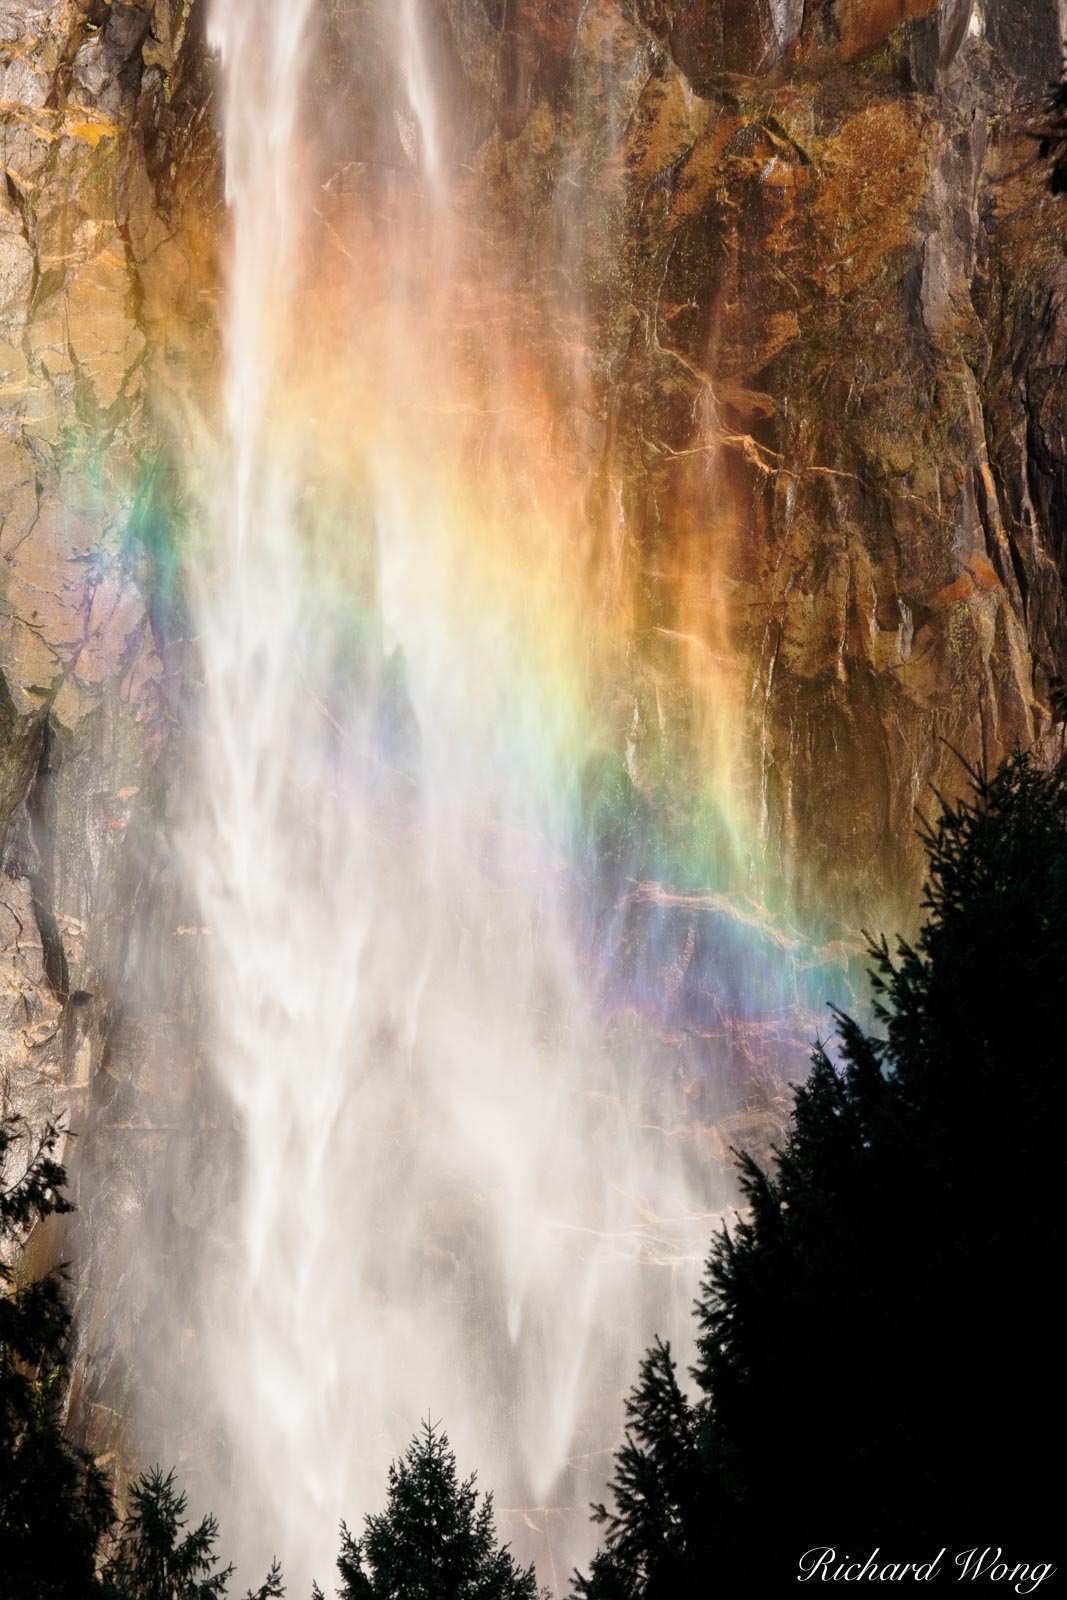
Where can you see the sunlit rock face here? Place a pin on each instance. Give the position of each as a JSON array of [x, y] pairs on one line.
[[749, 314], [101, 316], [834, 230]]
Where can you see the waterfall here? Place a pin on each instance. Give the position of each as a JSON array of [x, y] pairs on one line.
[[459, 1192]]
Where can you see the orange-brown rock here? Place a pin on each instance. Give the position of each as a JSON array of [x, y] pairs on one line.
[[865, 25], [97, 307], [829, 224]]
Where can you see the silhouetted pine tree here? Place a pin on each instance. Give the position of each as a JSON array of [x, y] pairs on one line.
[[57, 1516], [656, 1489], [54, 1504], [877, 1358], [436, 1539], [156, 1558]]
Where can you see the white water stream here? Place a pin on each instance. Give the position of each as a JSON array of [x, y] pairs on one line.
[[452, 1201]]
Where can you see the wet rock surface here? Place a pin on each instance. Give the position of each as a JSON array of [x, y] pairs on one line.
[[805, 266], [829, 224], [100, 316]]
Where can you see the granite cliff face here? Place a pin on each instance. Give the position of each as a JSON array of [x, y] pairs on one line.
[[101, 315], [827, 222], [829, 218]]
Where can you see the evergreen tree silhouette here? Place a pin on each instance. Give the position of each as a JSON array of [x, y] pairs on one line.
[[156, 1558], [159, 1557], [55, 1506], [436, 1539], [57, 1515], [877, 1358], [656, 1488]]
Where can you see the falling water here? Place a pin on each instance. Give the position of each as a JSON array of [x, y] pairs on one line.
[[460, 1193]]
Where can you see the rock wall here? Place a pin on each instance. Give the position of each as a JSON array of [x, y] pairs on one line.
[[827, 221], [103, 261]]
